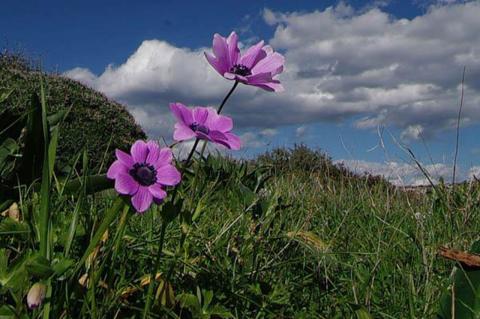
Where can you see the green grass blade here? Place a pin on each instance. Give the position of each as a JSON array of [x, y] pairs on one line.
[[111, 214], [45, 185]]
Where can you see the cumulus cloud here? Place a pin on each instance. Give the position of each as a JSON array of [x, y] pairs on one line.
[[392, 71], [406, 174], [412, 132], [340, 63]]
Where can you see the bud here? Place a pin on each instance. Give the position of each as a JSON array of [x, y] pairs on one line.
[[36, 294], [14, 212]]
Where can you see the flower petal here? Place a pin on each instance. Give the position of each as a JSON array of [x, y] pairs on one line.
[[182, 113], [217, 65], [182, 132], [125, 184], [116, 168], [220, 50], [272, 63], [217, 122], [233, 50], [153, 152], [157, 191], [219, 138], [123, 157], [234, 142], [165, 157], [139, 151], [229, 140], [168, 175], [200, 114], [253, 55], [142, 200], [270, 86]]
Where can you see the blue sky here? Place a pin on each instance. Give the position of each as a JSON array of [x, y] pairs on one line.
[[391, 66]]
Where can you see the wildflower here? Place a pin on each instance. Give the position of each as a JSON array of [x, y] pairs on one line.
[[35, 295], [144, 174], [203, 123], [257, 66]]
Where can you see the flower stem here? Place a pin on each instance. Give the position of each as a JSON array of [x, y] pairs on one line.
[[227, 97], [153, 274], [192, 151]]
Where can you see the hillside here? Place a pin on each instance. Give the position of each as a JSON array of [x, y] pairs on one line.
[[94, 122]]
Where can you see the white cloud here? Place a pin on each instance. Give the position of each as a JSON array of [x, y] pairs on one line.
[[412, 132], [300, 131], [251, 140], [340, 63], [269, 132], [403, 174]]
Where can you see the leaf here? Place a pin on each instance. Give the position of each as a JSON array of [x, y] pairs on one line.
[[31, 164], [361, 312], [220, 311], [15, 277], [190, 302], [109, 217], [61, 265], [93, 184], [44, 223], [8, 148], [13, 228], [465, 287], [7, 312], [38, 266], [165, 295]]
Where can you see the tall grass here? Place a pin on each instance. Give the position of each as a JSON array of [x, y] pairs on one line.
[[256, 244]]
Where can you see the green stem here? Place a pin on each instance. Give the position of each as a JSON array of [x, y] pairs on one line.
[[153, 274]]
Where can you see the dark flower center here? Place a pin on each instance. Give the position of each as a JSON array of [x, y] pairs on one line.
[[199, 128], [144, 174], [240, 70]]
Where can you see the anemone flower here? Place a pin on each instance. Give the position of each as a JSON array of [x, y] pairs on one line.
[[203, 123], [257, 66], [144, 174]]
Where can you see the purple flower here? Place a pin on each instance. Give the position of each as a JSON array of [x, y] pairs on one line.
[[257, 66], [203, 123], [144, 174]]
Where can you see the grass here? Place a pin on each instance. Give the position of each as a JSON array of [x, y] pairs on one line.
[[252, 242]]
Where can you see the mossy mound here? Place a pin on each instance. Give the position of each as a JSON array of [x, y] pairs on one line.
[[94, 122]]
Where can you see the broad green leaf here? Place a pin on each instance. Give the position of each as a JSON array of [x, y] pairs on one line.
[[38, 266]]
